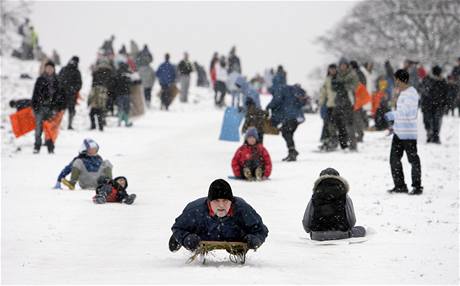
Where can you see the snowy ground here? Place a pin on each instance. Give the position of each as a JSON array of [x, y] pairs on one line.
[[170, 158]]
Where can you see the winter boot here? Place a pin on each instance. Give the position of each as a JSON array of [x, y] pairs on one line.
[[292, 155], [247, 174], [129, 199], [399, 189], [50, 145], [416, 191], [173, 244], [259, 174]]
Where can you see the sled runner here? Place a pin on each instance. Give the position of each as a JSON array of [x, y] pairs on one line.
[[237, 250]]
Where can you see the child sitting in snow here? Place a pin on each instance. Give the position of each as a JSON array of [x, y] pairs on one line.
[[113, 191], [252, 161], [86, 168], [330, 214]]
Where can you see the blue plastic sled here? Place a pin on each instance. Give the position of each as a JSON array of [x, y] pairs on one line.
[[230, 130]]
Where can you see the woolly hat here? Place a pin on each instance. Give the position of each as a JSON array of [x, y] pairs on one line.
[[252, 131], [220, 189], [88, 144], [402, 75], [329, 171], [74, 60], [49, 63], [343, 61]]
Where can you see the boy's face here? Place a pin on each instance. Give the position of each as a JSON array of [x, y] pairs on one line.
[[92, 151], [220, 207], [251, 140], [49, 70], [121, 182]]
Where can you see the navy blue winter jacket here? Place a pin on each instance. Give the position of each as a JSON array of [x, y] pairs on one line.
[[166, 74], [92, 164], [242, 221], [286, 104]]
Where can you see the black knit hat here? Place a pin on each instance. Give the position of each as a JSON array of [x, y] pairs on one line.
[[118, 186], [330, 172], [49, 63], [220, 189]]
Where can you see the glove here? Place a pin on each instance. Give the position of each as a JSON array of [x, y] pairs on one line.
[[192, 241], [253, 241], [57, 186]]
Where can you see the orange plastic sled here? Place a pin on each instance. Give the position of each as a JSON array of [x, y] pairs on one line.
[[361, 96], [22, 121], [51, 126]]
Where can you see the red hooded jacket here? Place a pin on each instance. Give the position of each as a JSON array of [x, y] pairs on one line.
[[247, 152]]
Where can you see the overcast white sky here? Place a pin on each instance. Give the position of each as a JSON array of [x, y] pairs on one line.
[[265, 33]]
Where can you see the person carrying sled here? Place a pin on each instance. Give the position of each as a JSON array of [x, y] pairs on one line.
[[218, 217], [113, 191], [252, 161], [86, 168], [330, 214]]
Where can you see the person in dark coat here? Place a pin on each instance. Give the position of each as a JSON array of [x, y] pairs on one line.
[[434, 99], [113, 191], [70, 84], [279, 80], [234, 63], [453, 95], [252, 161], [286, 109], [218, 217], [330, 214], [46, 100], [166, 74], [122, 94], [144, 57], [184, 68]]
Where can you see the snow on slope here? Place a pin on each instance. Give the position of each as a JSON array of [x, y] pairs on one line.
[[170, 158]]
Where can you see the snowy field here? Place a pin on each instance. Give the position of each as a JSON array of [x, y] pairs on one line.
[[170, 158]]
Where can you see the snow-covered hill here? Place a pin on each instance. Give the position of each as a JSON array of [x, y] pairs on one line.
[[170, 158]]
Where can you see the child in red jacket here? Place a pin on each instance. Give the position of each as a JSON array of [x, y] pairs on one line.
[[113, 191], [252, 161]]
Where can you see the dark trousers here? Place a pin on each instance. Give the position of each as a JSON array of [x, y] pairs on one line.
[[99, 113], [221, 88], [287, 131], [433, 123], [71, 109], [398, 147], [148, 94], [330, 129], [344, 122], [253, 165]]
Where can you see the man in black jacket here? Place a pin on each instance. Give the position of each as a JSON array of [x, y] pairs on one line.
[[45, 100], [70, 84], [218, 217], [185, 68], [434, 99]]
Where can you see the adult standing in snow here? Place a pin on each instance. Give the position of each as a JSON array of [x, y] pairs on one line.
[[327, 100], [45, 100], [220, 87], [185, 68], [359, 115], [344, 85], [248, 92], [166, 74], [148, 78], [202, 79], [218, 217], [234, 63], [70, 84], [212, 68], [405, 136], [434, 98], [122, 93], [144, 57], [279, 79], [286, 109], [330, 214]]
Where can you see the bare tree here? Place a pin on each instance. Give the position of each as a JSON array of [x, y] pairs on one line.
[[13, 14], [422, 30]]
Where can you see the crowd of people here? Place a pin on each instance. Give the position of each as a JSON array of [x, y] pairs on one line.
[[353, 99]]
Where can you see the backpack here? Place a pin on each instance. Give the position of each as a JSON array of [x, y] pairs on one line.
[[329, 201]]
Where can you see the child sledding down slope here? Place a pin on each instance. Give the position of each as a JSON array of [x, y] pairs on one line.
[[113, 191], [330, 214], [252, 161]]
